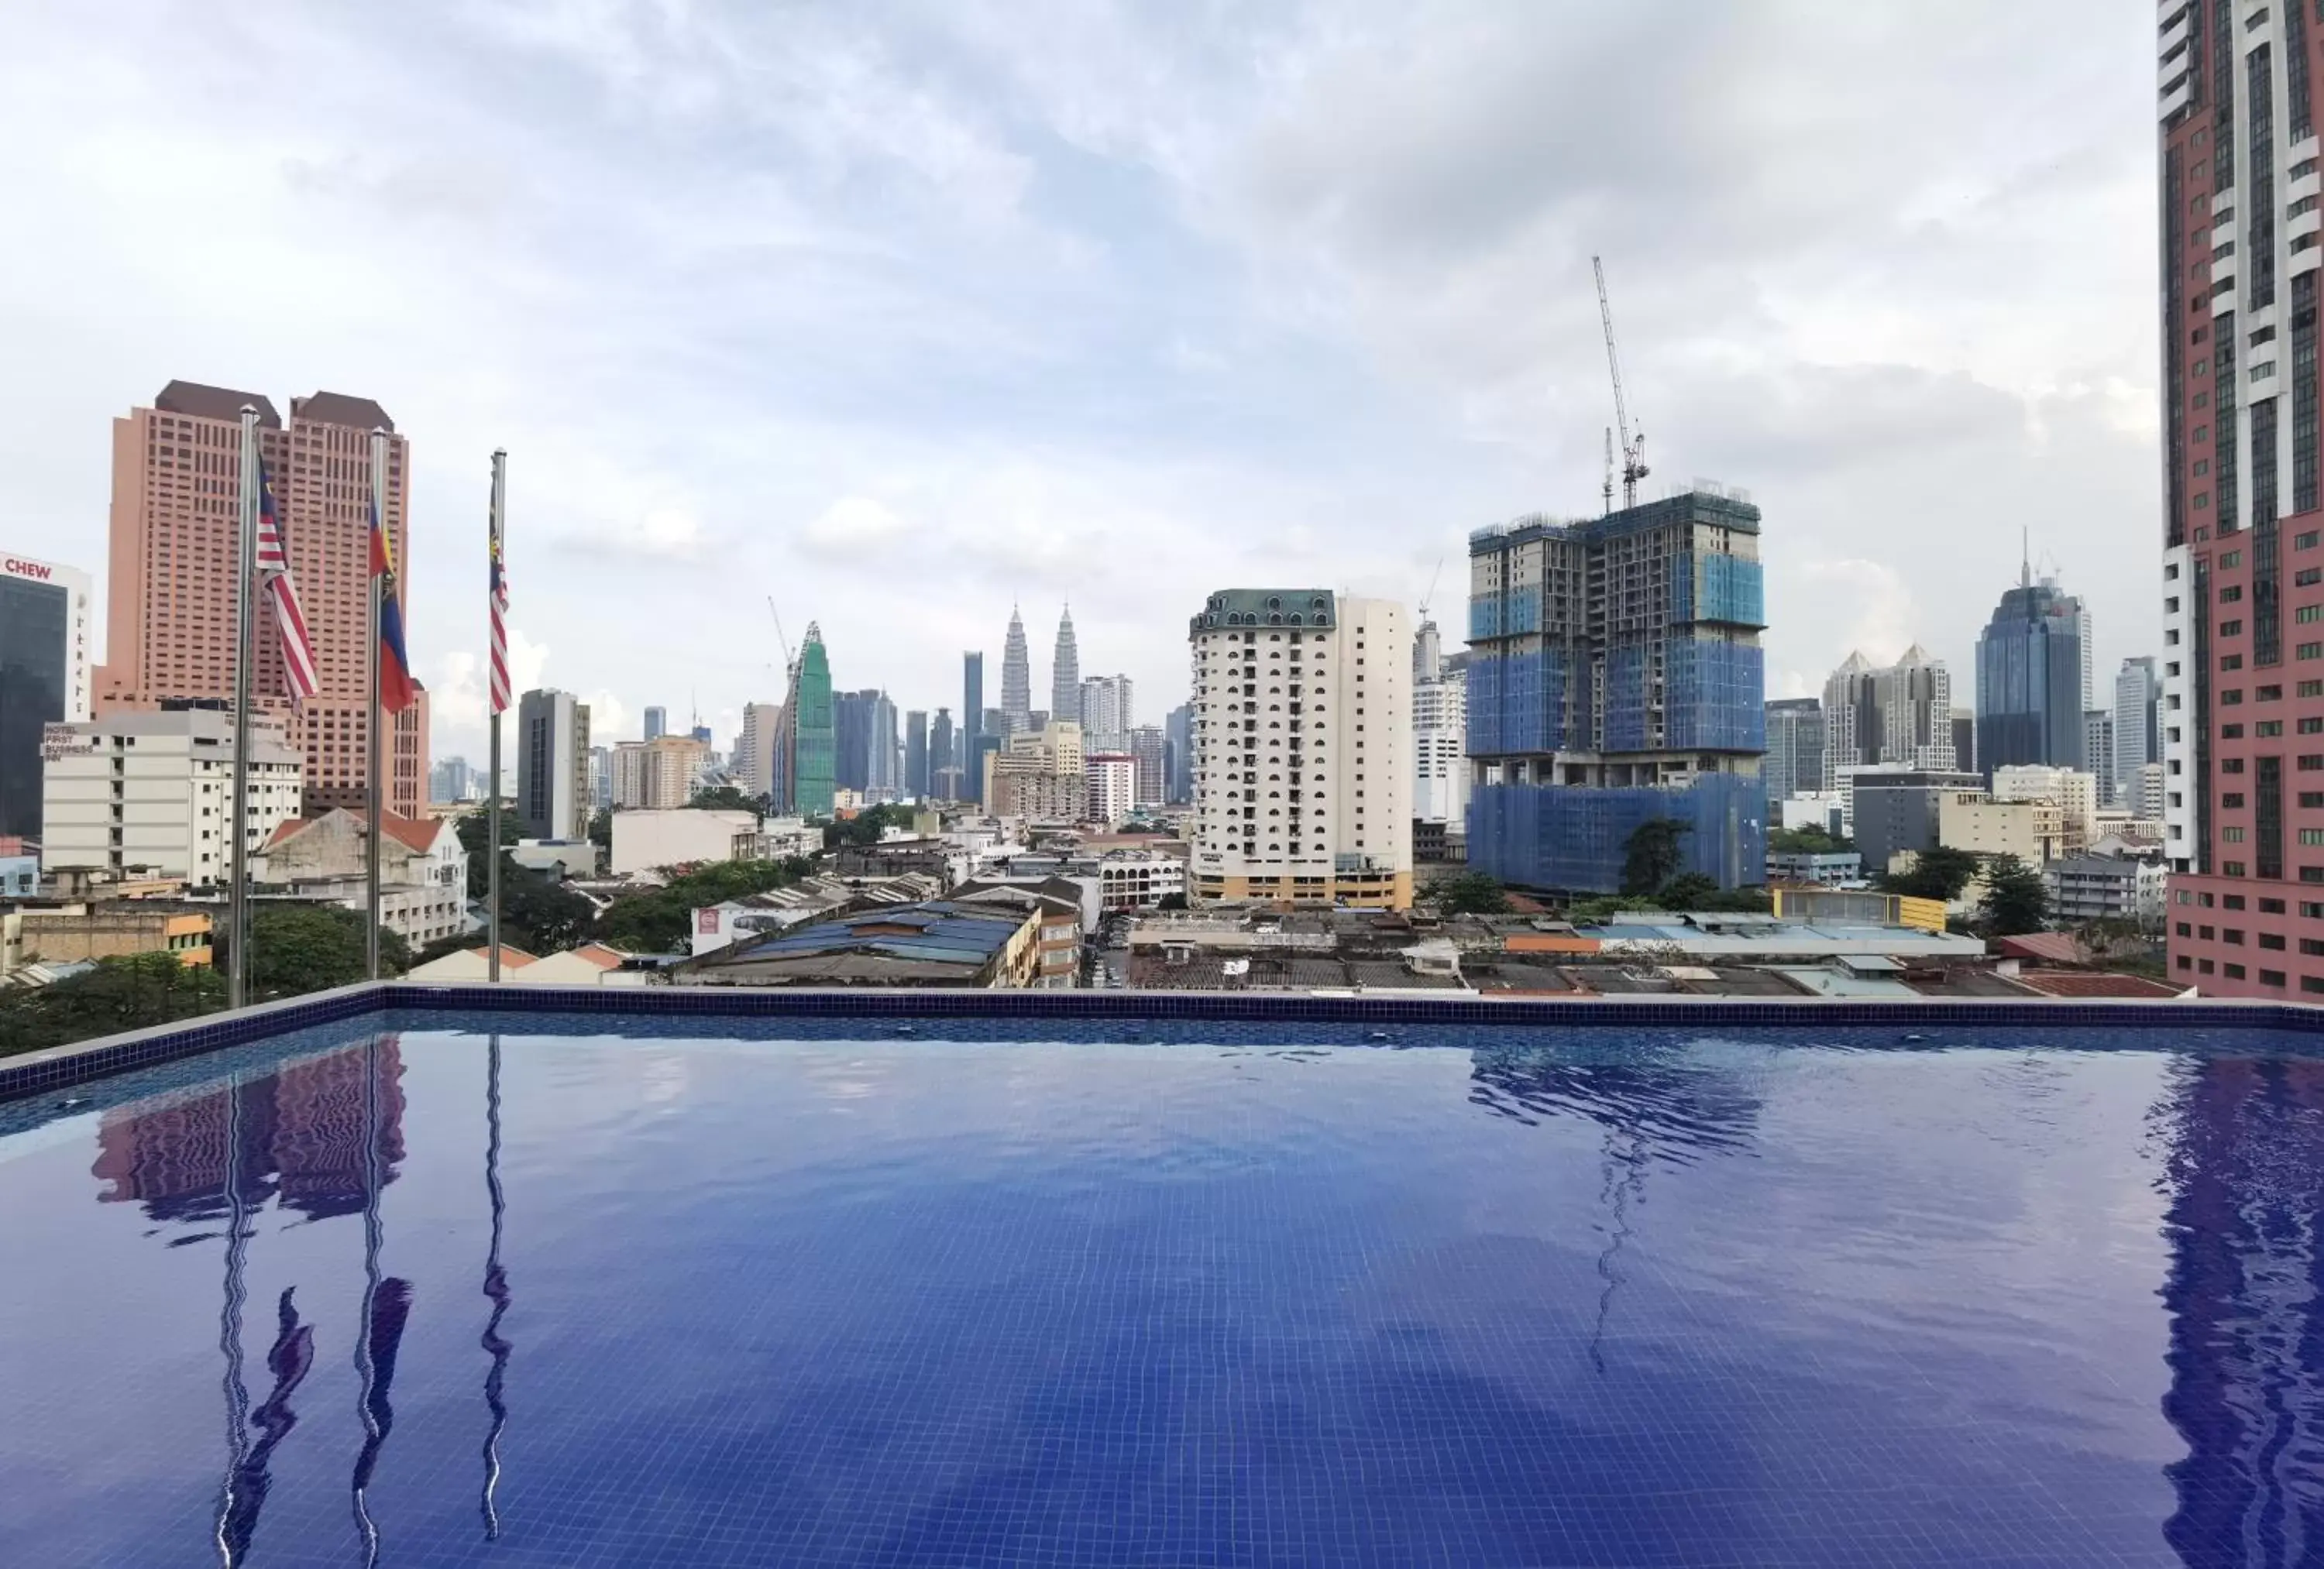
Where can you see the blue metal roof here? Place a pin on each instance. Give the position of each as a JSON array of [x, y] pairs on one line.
[[942, 932]]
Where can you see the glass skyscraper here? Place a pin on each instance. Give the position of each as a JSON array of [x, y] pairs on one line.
[[44, 675], [972, 725], [2028, 679]]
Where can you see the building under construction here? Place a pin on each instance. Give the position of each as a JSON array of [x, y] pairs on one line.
[[1615, 676], [806, 747]]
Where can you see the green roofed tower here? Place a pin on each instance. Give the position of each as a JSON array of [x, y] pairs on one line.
[[814, 745]]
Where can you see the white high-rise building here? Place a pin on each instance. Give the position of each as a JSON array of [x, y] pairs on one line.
[[1303, 737], [552, 765], [1440, 728], [1113, 780], [154, 791], [1105, 713], [754, 750], [2082, 628], [1900, 713]]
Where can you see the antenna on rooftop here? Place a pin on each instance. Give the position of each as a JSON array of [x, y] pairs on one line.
[[1634, 444]]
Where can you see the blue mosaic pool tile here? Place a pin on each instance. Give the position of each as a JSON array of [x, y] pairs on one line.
[[42, 1073]]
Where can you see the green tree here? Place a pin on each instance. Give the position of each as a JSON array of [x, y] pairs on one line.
[[1812, 841], [2015, 900], [1171, 901], [1598, 910], [867, 825], [1936, 873], [1471, 893], [1688, 891], [131, 992], [658, 919], [2109, 935], [1651, 855], [601, 831], [726, 798], [473, 831], [310, 948], [539, 914]]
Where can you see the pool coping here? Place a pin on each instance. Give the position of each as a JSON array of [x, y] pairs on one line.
[[57, 1067]]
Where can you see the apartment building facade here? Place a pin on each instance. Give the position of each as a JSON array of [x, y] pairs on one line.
[[2242, 676], [1302, 739], [153, 791]]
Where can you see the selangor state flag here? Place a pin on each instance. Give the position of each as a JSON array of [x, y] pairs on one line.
[[395, 690]]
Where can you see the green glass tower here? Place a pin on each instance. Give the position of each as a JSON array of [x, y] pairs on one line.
[[814, 748]]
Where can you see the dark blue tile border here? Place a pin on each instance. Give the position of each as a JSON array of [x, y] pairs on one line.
[[35, 1072], [47, 1070]]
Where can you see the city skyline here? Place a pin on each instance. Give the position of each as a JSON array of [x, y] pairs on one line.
[[1297, 359]]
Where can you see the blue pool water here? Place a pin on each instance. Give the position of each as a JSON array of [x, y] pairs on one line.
[[1124, 1295]]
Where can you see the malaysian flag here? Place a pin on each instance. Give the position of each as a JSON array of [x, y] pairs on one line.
[[274, 577], [499, 597]]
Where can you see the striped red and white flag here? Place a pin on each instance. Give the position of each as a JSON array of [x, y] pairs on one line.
[[275, 578], [499, 666]]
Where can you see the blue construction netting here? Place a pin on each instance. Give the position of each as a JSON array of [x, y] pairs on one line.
[[1714, 695], [1625, 700], [1485, 728], [1571, 839], [1711, 587]]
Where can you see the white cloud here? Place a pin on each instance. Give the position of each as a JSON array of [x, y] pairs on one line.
[[1867, 603], [905, 313], [854, 526]]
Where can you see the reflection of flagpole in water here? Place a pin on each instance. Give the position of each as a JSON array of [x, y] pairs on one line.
[[237, 1394], [497, 1290], [1622, 1179], [365, 1368], [386, 1304]]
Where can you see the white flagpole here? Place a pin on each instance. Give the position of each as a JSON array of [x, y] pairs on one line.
[[371, 839], [497, 543], [237, 977]]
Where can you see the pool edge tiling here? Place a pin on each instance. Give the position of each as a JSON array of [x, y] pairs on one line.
[[57, 1067]]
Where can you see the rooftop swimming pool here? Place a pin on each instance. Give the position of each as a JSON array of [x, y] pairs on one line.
[[562, 1290]]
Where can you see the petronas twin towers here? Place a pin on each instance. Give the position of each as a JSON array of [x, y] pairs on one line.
[[1017, 675]]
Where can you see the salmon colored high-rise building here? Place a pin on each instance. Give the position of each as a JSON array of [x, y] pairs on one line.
[[2241, 102], [177, 511]]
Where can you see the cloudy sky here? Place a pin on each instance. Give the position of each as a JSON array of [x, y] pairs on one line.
[[899, 313]]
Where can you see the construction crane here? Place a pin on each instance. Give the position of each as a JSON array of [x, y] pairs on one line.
[[1432, 588], [1634, 445], [780, 636]]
